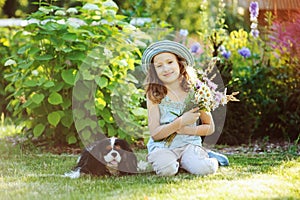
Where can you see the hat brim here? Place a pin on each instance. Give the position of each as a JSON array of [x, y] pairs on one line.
[[166, 46]]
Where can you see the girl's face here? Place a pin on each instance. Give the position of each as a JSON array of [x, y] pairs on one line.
[[166, 67]]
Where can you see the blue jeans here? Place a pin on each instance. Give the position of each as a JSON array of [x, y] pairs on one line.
[[222, 159]]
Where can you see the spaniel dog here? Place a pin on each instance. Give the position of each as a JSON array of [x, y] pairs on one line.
[[110, 156]]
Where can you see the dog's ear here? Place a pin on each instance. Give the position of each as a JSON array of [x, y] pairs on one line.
[[128, 163], [88, 164], [123, 144]]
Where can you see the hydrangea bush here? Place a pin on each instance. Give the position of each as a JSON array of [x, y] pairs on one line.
[[90, 49]]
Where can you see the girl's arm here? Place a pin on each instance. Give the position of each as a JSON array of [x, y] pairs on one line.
[[157, 131], [206, 128]]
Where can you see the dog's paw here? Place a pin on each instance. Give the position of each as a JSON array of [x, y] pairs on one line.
[[142, 165]]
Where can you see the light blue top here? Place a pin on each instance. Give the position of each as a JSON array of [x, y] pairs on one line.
[[166, 107]]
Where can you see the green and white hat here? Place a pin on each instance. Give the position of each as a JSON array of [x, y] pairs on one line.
[[166, 46]]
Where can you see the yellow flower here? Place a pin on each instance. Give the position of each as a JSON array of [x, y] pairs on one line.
[[238, 39]]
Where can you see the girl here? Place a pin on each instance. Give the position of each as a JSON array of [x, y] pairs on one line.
[[168, 67]]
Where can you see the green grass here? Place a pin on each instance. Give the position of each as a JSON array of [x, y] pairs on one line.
[[34, 175]]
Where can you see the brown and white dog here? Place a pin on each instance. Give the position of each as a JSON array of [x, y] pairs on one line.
[[110, 156]]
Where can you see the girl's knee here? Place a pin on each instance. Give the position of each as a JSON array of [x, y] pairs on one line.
[[202, 167], [205, 167], [169, 170]]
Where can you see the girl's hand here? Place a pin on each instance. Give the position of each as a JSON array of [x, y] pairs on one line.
[[190, 117]]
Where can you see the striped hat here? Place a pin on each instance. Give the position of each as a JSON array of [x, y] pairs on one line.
[[166, 46]]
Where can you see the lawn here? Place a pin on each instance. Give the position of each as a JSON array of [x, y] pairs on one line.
[[33, 174]]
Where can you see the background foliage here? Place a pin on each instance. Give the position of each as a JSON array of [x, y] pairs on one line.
[[37, 89], [95, 49]]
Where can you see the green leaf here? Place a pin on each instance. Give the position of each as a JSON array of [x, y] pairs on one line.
[[38, 130], [25, 65], [139, 112], [23, 49], [67, 120], [111, 131], [30, 83], [86, 134], [78, 113], [54, 118], [101, 81], [101, 123], [69, 76], [38, 98], [69, 36], [55, 98], [76, 55], [82, 123], [49, 84], [100, 103], [72, 139], [107, 116], [66, 104], [44, 57]]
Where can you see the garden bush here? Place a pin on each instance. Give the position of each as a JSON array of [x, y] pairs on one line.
[[265, 74], [83, 55]]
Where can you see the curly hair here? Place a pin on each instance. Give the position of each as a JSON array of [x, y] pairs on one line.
[[154, 87]]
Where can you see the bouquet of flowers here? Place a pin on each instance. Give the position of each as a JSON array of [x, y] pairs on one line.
[[204, 94]]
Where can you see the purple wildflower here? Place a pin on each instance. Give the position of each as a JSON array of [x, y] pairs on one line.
[[226, 54], [245, 52], [198, 84], [255, 33], [210, 84], [196, 48], [218, 97], [183, 32], [254, 9]]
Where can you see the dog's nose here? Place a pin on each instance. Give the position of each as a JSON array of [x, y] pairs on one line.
[[114, 154]]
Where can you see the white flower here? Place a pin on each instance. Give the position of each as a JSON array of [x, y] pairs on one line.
[[140, 21], [45, 10], [129, 28], [90, 6], [110, 4], [94, 23], [72, 11], [60, 13], [35, 72], [105, 22], [46, 21], [110, 12], [123, 62], [183, 32], [10, 62], [75, 22], [33, 21], [61, 21], [253, 25], [107, 53]]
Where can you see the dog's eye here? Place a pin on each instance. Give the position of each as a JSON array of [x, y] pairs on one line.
[[108, 147], [117, 147]]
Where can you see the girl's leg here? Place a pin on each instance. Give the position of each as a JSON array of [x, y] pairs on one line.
[[196, 161], [164, 162], [222, 159]]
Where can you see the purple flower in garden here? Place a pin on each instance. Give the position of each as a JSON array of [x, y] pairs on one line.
[[183, 32], [196, 48], [198, 84], [254, 9], [245, 52], [226, 54], [255, 33], [218, 97], [210, 84]]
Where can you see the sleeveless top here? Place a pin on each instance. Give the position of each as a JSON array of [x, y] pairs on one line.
[[166, 107]]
